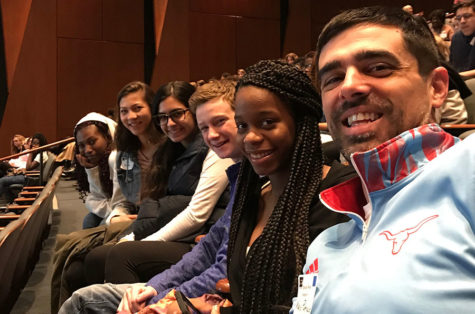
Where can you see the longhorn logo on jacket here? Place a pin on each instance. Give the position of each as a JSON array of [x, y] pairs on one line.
[[402, 236]]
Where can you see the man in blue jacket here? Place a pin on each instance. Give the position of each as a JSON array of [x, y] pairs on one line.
[[199, 270], [410, 244]]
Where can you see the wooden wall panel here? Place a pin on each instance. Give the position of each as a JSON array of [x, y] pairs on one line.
[[160, 9], [256, 39], [213, 45], [80, 19], [220, 7], [173, 58], [298, 35], [31, 105], [123, 20], [247, 8], [90, 74], [269, 9], [14, 18]]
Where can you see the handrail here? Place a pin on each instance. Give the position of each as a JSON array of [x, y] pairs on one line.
[[41, 148], [458, 126]]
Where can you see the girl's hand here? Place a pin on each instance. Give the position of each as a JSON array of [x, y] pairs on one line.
[[83, 161], [120, 218], [135, 298]]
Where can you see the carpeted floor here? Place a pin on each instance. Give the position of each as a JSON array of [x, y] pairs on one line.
[[35, 297]]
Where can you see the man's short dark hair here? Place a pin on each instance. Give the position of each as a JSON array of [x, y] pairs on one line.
[[417, 37], [465, 4]]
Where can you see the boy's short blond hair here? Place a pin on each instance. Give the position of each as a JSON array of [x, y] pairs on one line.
[[213, 89]]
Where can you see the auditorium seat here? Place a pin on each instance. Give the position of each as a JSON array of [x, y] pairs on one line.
[[33, 229], [9, 237]]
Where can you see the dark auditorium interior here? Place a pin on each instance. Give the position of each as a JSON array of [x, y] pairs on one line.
[[61, 59]]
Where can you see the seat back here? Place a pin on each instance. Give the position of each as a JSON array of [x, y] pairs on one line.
[[9, 238], [470, 101], [31, 238], [48, 167], [47, 170]]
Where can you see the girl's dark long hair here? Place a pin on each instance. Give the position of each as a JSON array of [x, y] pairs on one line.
[[41, 139], [169, 151], [267, 286], [103, 164]]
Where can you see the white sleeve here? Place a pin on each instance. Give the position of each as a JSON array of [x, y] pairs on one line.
[[96, 201], [118, 202], [45, 157], [212, 183], [129, 237]]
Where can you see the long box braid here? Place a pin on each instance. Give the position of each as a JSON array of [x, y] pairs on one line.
[[265, 286]]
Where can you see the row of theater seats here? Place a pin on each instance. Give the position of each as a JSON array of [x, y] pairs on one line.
[[33, 178], [463, 130], [21, 238]]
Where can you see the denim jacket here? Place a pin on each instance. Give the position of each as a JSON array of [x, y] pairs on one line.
[[128, 175]]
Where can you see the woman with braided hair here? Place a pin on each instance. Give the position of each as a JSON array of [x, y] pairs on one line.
[[277, 115]]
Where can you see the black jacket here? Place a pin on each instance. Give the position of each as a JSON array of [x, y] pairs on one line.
[[182, 183]]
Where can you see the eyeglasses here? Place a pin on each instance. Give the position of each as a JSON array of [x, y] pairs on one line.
[[175, 115], [465, 16]]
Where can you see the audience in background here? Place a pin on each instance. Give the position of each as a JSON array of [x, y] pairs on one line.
[[32, 163], [438, 25], [462, 48], [291, 57], [241, 72], [18, 145], [408, 8]]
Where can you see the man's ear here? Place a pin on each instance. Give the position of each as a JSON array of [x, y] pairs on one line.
[[439, 85]]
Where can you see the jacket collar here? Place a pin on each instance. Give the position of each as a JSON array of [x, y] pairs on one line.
[[194, 148], [385, 165]]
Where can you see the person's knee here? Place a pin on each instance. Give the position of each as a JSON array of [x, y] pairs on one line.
[[73, 304], [118, 261], [95, 262], [74, 275], [119, 252], [99, 298]]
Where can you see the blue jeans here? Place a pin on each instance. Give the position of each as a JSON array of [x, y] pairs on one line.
[[91, 220], [100, 298], [6, 181]]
